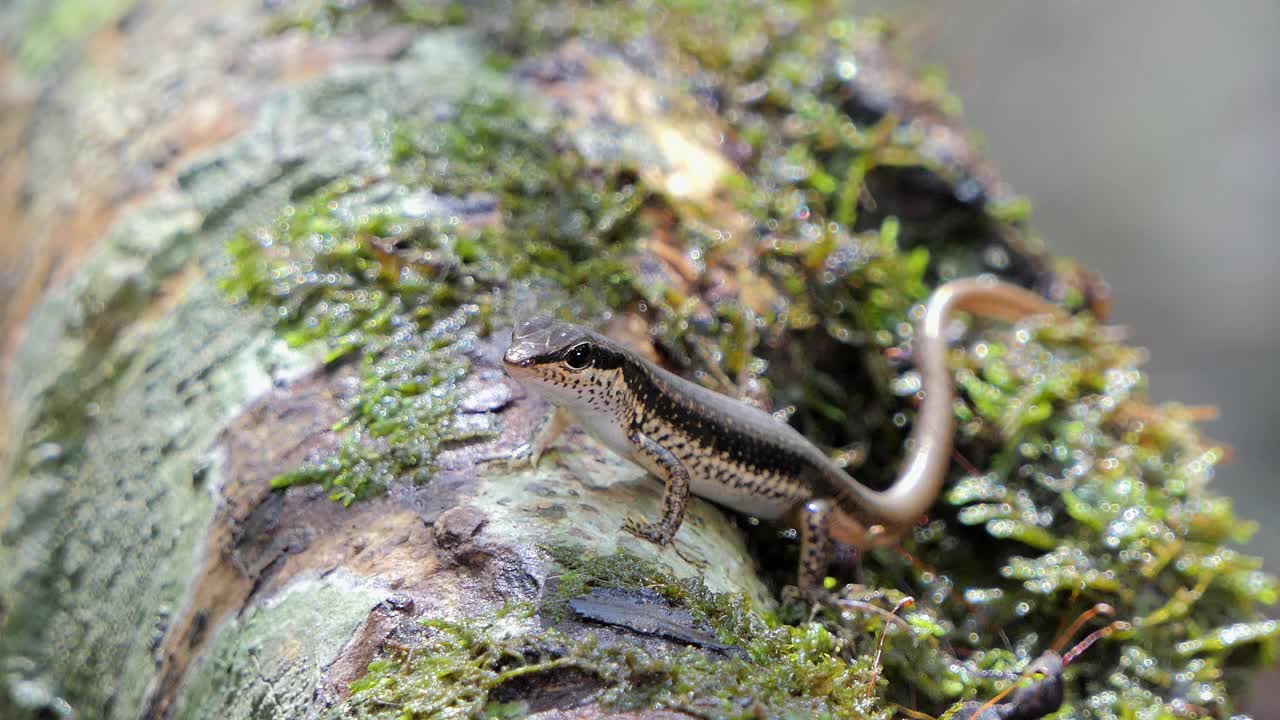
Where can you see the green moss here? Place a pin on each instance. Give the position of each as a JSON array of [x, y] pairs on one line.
[[783, 671], [728, 613], [459, 668], [392, 271], [1106, 499]]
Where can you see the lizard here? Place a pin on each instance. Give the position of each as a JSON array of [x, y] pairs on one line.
[[700, 442]]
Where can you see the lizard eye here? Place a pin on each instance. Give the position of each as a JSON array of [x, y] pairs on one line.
[[578, 357]]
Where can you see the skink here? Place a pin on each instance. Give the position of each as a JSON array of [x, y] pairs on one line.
[[700, 442]]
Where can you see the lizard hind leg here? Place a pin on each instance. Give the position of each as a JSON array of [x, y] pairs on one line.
[[815, 545]]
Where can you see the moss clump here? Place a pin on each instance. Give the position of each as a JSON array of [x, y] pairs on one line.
[[457, 671], [728, 613], [394, 270], [1095, 496], [1087, 494], [784, 671]]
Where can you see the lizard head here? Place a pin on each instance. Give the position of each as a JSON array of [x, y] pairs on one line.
[[567, 364]]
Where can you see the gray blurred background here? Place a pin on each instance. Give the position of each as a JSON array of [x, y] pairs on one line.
[[1147, 136]]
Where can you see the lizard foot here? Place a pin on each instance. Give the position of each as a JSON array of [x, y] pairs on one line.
[[653, 532]]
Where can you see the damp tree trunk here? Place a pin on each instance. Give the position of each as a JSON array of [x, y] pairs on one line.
[[152, 563]]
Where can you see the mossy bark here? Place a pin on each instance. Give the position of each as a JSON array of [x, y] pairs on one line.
[[362, 170], [142, 542]]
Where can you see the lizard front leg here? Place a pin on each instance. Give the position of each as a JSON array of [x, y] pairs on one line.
[[675, 495], [551, 427]]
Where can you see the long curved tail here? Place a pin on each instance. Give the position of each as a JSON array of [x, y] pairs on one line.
[[920, 481]]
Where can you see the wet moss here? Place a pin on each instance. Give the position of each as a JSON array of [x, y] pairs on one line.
[[399, 270], [472, 669], [728, 613], [1094, 496]]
